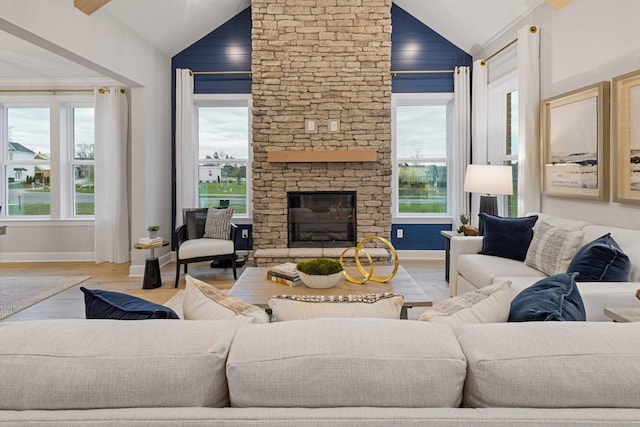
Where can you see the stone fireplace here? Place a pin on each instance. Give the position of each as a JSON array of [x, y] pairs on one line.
[[321, 88]]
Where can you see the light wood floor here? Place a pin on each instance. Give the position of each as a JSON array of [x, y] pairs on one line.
[[69, 304]]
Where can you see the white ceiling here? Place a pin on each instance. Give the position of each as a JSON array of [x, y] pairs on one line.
[[173, 25]]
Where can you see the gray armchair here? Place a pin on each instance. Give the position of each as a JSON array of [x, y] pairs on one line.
[[193, 247]]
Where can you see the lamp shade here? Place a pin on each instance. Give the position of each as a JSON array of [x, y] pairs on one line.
[[488, 179]]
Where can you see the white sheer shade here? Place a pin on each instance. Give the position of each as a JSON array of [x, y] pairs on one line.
[[488, 179]]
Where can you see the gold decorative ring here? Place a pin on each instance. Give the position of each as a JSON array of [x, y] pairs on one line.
[[368, 275], [393, 252], [364, 273]]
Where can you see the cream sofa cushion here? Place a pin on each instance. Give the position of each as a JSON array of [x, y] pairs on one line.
[[481, 269], [93, 364], [552, 365], [346, 363], [485, 305]]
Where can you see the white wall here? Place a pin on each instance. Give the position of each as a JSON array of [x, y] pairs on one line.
[[104, 44], [586, 42]]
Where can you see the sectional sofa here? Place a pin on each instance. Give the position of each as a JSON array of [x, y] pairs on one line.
[[338, 372], [470, 270]]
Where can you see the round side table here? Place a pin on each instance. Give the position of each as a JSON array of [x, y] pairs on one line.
[[152, 278]]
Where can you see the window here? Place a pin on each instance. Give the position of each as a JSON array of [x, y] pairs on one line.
[[421, 160], [36, 135], [83, 164], [503, 133], [224, 167]]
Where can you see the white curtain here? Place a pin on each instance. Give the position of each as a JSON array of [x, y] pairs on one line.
[[478, 125], [529, 119], [111, 186], [186, 150], [461, 136]]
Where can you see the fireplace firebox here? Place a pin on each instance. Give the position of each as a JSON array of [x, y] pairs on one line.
[[321, 219]]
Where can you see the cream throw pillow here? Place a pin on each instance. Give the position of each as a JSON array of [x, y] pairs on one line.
[[203, 301], [485, 305], [299, 307], [552, 248]]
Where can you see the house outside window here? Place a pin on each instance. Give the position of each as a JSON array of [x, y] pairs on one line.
[[41, 179], [421, 154], [224, 152]]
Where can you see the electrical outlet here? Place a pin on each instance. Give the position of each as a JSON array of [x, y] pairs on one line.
[[399, 233], [245, 233]]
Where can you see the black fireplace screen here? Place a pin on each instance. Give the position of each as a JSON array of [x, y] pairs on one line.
[[321, 219]]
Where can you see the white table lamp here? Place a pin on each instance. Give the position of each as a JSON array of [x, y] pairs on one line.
[[489, 180]]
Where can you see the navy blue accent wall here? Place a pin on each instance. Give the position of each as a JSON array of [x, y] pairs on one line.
[[419, 236], [227, 48], [414, 46]]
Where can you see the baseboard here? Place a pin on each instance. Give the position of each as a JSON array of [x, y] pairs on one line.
[[46, 256], [420, 254]]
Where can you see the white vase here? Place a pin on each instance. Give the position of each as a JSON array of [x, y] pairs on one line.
[[153, 234], [320, 281]]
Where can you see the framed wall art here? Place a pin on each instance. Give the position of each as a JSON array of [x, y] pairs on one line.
[[575, 143], [626, 138]]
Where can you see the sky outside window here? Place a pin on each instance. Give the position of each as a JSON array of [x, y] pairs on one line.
[[30, 127], [224, 130]]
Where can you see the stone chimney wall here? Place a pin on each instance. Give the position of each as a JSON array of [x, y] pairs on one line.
[[320, 60]]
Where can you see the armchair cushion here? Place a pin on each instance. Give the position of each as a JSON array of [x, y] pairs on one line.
[[197, 248], [218, 223]]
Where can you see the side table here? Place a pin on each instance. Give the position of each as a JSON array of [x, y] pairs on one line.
[[152, 278], [447, 247]]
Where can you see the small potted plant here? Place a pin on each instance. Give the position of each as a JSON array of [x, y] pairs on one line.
[[153, 231], [320, 273]]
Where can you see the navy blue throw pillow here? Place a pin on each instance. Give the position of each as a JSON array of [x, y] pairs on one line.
[[601, 261], [552, 298], [507, 237], [101, 304]]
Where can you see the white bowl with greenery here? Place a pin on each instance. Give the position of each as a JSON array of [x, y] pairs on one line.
[[320, 273]]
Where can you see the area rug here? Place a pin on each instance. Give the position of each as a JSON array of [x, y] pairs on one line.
[[18, 293]]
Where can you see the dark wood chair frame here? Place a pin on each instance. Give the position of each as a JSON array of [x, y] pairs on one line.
[[181, 235]]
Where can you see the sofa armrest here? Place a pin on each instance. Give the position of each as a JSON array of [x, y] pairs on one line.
[[460, 245]]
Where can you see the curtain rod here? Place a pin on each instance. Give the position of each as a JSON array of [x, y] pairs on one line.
[[46, 90], [195, 73], [532, 29], [395, 73]]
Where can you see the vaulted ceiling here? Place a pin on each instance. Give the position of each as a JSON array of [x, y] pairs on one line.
[[173, 25]]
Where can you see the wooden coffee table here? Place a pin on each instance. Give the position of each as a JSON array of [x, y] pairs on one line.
[[253, 287]]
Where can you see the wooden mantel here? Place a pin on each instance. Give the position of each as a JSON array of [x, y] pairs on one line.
[[303, 156]]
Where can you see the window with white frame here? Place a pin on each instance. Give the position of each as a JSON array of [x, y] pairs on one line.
[[421, 129], [224, 152], [503, 133], [47, 156]]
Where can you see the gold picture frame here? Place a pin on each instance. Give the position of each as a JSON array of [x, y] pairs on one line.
[[575, 143], [626, 137]]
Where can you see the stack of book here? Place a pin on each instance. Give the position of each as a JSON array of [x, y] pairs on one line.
[[285, 274]]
